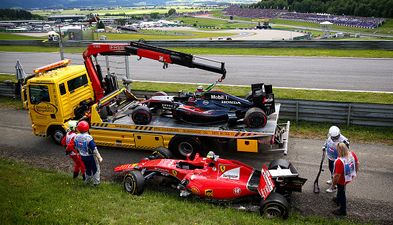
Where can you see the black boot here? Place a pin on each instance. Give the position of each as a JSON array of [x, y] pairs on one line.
[[76, 174], [83, 177]]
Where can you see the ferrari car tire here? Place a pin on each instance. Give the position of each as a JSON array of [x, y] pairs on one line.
[[284, 164], [274, 206], [181, 146], [255, 118], [141, 115], [162, 153], [134, 182]]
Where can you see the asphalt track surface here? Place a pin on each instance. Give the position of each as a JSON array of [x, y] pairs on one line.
[[369, 197], [299, 72]]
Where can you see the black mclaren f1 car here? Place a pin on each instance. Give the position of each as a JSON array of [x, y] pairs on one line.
[[210, 107]]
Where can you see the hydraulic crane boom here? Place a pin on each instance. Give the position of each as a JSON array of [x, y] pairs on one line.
[[144, 51]]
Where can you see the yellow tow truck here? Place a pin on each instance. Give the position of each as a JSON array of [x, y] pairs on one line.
[[60, 92]]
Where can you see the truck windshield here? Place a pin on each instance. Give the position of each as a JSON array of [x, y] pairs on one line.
[[39, 93]]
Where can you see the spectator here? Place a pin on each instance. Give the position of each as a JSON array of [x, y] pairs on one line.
[[345, 170]]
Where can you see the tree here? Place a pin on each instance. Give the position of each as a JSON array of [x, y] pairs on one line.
[[100, 25], [171, 12], [154, 15], [121, 21]]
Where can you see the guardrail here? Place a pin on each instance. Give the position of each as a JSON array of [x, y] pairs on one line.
[[337, 112], [385, 45], [7, 89], [302, 110]]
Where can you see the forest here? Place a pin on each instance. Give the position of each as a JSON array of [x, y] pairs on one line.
[[17, 14], [367, 8]]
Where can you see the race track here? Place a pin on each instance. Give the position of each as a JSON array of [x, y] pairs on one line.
[[298, 72]]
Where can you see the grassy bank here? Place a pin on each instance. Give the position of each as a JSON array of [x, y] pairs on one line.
[[234, 51], [283, 93], [36, 196], [163, 35], [11, 36]]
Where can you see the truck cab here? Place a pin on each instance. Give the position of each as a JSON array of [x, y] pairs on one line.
[[55, 94]]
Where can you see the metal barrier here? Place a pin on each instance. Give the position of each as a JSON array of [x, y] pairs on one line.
[[7, 89], [386, 45], [336, 112]]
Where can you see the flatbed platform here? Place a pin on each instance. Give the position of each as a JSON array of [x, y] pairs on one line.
[[168, 125]]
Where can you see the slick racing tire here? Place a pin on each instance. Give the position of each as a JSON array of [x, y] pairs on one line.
[[134, 182], [141, 115], [162, 153], [284, 164], [181, 146], [275, 206], [255, 118]]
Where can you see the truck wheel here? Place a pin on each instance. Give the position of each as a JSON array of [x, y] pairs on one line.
[[181, 146], [57, 133], [134, 182], [255, 118], [284, 164], [162, 153], [275, 206], [141, 115]]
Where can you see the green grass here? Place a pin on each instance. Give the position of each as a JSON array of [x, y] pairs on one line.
[[12, 36], [37, 196], [127, 11], [357, 134], [290, 52], [11, 77], [10, 103], [163, 35], [283, 93], [234, 51], [217, 23]]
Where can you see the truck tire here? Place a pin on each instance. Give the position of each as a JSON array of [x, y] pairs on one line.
[[141, 115], [284, 164], [275, 206], [134, 182], [181, 146], [57, 133], [255, 118]]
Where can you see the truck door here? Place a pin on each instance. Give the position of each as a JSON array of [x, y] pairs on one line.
[[42, 106]]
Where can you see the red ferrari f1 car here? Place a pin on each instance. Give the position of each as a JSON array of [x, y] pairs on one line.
[[209, 107], [214, 178]]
